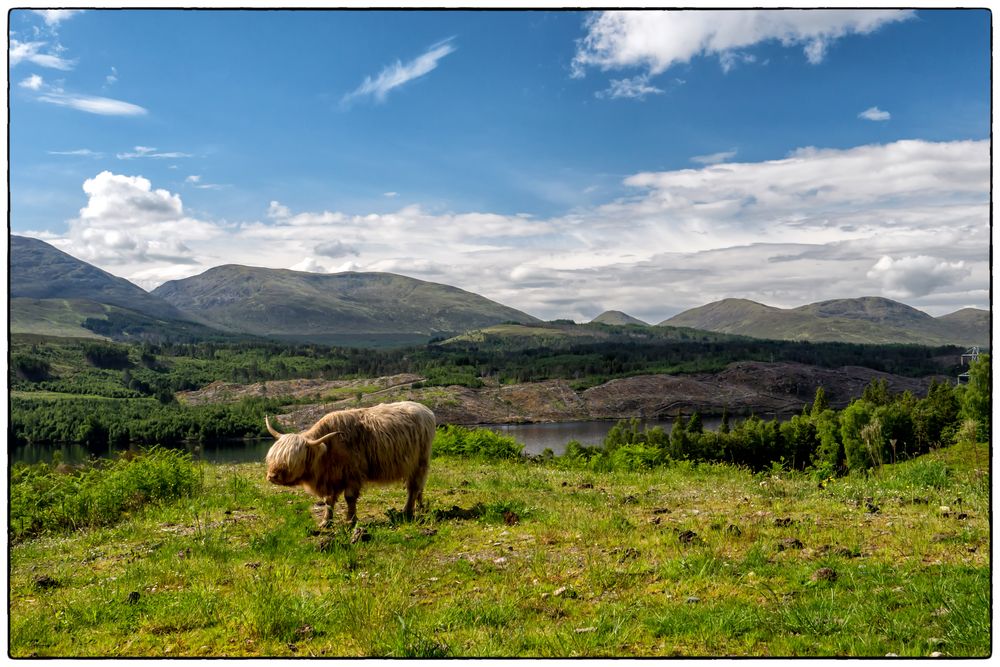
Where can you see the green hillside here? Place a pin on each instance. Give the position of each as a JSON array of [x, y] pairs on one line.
[[616, 318], [309, 306], [39, 271], [873, 320]]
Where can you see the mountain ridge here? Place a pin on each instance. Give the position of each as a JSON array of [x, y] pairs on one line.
[[868, 319]]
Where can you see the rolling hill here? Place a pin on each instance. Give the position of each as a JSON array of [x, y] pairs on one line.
[[862, 320], [331, 308], [616, 318]]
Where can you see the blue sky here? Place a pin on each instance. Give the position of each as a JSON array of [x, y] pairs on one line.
[[560, 162]]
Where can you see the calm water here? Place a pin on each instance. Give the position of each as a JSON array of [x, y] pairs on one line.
[[535, 437]]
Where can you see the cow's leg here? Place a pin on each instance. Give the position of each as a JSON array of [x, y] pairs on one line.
[[415, 489], [351, 496], [330, 500]]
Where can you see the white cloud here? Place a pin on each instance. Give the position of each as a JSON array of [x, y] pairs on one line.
[[33, 82], [916, 276], [79, 152], [714, 158], [103, 106], [148, 152], [111, 78], [127, 222], [635, 88], [309, 264], [31, 52], [397, 74], [908, 219], [390, 195], [53, 17], [193, 178], [659, 39], [874, 113]]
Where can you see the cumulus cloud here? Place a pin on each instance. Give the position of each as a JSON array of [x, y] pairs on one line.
[[309, 264], [874, 113], [128, 222], [907, 220], [336, 249], [53, 17], [398, 73], [916, 276], [33, 82], [659, 39]]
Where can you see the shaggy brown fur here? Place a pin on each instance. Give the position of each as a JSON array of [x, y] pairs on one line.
[[347, 449]]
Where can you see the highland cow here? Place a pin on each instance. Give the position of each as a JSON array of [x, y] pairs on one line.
[[347, 449]]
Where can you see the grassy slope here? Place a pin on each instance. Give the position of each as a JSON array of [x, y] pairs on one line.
[[594, 566], [54, 317]]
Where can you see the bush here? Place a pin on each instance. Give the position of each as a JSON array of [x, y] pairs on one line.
[[46, 498], [451, 439]]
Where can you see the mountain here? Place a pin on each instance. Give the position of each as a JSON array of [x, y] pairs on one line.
[[862, 320], [617, 318], [40, 271], [331, 308]]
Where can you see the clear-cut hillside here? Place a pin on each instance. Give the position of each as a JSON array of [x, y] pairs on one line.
[[324, 308], [861, 320]]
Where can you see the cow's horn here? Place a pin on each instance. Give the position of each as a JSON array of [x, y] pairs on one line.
[[273, 431], [322, 439]]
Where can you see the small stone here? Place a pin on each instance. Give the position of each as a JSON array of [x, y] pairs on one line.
[[559, 591], [693, 600], [583, 630], [688, 536], [891, 655], [936, 654]]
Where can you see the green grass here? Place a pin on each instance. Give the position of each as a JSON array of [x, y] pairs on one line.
[[539, 559]]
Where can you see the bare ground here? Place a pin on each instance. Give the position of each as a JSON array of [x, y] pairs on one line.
[[742, 388]]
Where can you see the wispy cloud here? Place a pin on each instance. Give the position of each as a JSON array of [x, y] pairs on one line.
[[390, 195], [635, 88], [79, 152], [112, 78], [31, 52], [714, 158], [104, 106], [147, 152], [874, 113], [398, 73]]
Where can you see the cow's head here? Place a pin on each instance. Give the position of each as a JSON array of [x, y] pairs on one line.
[[290, 459]]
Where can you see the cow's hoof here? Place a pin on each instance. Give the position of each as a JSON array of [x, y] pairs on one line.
[[328, 523]]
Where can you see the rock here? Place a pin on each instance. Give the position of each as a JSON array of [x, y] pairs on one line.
[[688, 537], [693, 600], [891, 655], [564, 592], [789, 543], [936, 654], [583, 630], [824, 574]]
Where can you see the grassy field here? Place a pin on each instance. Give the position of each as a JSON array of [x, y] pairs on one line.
[[520, 558]]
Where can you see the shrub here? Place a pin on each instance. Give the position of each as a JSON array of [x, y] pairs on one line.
[[451, 439], [47, 498]]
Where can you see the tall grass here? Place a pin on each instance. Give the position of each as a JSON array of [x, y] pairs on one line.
[[46, 498]]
